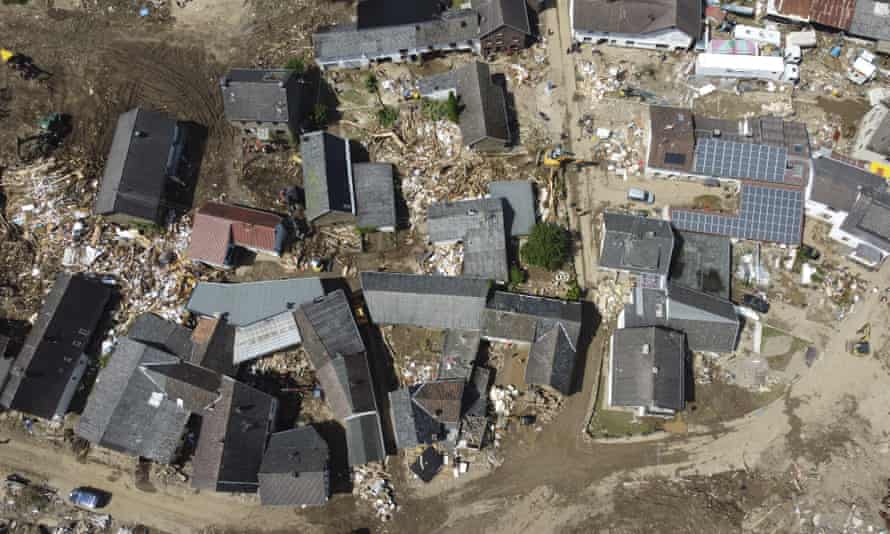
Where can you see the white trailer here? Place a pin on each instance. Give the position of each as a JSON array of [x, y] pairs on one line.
[[749, 67]]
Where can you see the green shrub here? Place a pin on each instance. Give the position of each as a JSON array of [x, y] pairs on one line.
[[387, 116], [574, 290], [319, 116], [547, 246], [517, 276], [296, 65], [371, 83], [442, 109]]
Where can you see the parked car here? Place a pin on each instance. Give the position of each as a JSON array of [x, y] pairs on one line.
[[91, 498], [756, 303], [809, 252], [640, 195]]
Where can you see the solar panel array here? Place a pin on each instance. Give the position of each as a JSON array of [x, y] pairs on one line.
[[766, 214], [746, 161]]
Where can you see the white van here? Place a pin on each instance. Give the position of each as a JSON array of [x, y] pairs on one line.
[[640, 195]]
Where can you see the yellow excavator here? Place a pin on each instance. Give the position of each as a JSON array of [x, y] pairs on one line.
[[558, 158]]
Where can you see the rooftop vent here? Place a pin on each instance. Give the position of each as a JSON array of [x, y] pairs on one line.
[[645, 349]]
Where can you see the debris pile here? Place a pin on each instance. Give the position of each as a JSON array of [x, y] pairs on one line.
[[444, 260], [372, 484], [610, 295]]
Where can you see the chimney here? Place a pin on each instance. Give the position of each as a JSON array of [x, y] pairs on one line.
[[645, 349]]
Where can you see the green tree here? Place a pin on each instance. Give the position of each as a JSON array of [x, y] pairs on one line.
[[387, 116], [371, 83], [547, 246], [574, 290], [296, 65], [453, 108], [517, 276]]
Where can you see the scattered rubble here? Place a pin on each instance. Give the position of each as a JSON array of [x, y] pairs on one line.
[[373, 484]]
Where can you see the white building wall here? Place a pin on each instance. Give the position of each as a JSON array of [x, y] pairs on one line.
[[867, 128], [672, 39]]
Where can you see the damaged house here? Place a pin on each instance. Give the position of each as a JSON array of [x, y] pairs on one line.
[[220, 230], [479, 226], [338, 354], [638, 245], [340, 191], [855, 203], [296, 469], [484, 122], [266, 104], [654, 24], [42, 379], [427, 412], [147, 174]]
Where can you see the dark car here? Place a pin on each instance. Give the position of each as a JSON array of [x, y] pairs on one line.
[[91, 498], [756, 303]]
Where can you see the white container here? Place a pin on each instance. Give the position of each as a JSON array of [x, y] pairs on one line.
[[731, 66]]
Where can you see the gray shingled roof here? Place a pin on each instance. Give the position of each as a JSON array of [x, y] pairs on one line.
[[329, 328], [258, 95], [836, 183], [347, 385], [459, 352], [364, 439], [295, 469], [327, 174], [636, 244], [649, 366], [128, 410], [135, 176], [162, 334], [248, 302], [375, 202], [869, 219], [551, 326], [497, 13], [702, 262], [401, 412], [638, 16], [866, 22], [444, 302], [709, 322], [519, 200], [479, 224], [348, 42], [40, 379]]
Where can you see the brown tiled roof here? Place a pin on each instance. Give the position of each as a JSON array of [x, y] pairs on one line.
[[441, 399], [833, 13], [218, 225], [794, 8], [673, 138]]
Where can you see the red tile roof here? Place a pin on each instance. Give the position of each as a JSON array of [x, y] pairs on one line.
[[219, 225], [794, 8], [833, 13]]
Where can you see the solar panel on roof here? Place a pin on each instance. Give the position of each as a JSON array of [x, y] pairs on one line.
[[765, 214], [729, 159]]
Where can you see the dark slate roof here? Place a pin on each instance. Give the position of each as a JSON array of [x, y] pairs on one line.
[[476, 393], [162, 334], [213, 342], [484, 112], [638, 16], [295, 469], [401, 413], [347, 384], [248, 302], [127, 411], [495, 14], [257, 95], [445, 302], [837, 183], [364, 439], [135, 175], [636, 244], [702, 262], [441, 400], [385, 13], [327, 174], [479, 224], [232, 439], [459, 353], [709, 322], [869, 219], [328, 328], [42, 372], [375, 201], [519, 200], [648, 368], [551, 326]]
